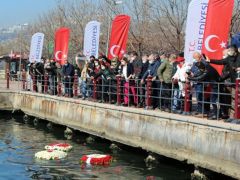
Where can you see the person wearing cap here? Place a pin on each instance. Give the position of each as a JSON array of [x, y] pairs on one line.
[[179, 73]]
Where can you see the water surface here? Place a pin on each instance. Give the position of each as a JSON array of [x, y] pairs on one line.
[[19, 142]]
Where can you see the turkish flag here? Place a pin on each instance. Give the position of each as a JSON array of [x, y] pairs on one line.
[[217, 29], [61, 44], [119, 36]]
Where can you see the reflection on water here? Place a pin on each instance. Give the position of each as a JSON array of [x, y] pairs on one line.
[[19, 142]]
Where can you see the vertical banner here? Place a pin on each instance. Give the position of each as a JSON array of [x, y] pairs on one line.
[[36, 47], [217, 28], [119, 36], [61, 45], [196, 20], [91, 39]]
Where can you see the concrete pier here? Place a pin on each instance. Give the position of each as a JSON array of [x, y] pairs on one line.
[[212, 145]]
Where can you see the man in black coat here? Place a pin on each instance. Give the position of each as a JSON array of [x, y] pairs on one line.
[[142, 89], [68, 74], [39, 75], [231, 63], [209, 75]]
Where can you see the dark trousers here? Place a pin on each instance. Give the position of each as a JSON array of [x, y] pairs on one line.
[[155, 94], [225, 100], [166, 95], [68, 86], [199, 96]]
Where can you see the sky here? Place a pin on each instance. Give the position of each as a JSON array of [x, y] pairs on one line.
[[13, 12]]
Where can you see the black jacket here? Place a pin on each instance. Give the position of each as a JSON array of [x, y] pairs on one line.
[[209, 74], [68, 70], [130, 69], [152, 70], [143, 69], [137, 66], [230, 64]]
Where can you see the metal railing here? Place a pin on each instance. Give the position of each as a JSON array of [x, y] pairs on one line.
[[193, 98]]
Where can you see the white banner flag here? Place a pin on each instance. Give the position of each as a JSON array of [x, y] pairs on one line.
[[196, 20], [36, 47], [91, 39]]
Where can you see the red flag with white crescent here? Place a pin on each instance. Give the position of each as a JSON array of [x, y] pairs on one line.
[[217, 29], [119, 36], [61, 44]]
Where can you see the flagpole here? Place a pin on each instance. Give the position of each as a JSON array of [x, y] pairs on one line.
[[115, 3]]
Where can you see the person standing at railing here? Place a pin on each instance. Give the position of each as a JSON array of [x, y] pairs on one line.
[[154, 63], [68, 73], [115, 65], [31, 72], [90, 72], [59, 72], [137, 66], [83, 85], [208, 74], [82, 66], [107, 76], [180, 78], [51, 68], [98, 81], [165, 74], [39, 75], [127, 72], [231, 64], [198, 86], [144, 69]]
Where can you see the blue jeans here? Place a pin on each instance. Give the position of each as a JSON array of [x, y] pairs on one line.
[[199, 95], [214, 97], [83, 87], [68, 83], [176, 102]]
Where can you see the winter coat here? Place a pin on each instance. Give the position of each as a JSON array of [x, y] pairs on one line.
[[144, 69], [137, 66], [180, 76], [231, 63], [68, 70], [165, 71], [209, 74], [152, 70]]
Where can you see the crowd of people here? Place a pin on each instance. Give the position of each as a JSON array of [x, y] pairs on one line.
[[168, 75]]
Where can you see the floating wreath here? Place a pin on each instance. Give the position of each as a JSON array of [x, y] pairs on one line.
[[96, 159], [65, 147], [50, 155]]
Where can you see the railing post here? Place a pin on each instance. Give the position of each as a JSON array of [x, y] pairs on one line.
[[187, 101], [34, 83], [75, 91], [59, 88], [8, 78], [23, 79], [236, 104], [45, 83], [94, 90], [149, 92], [119, 79]]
